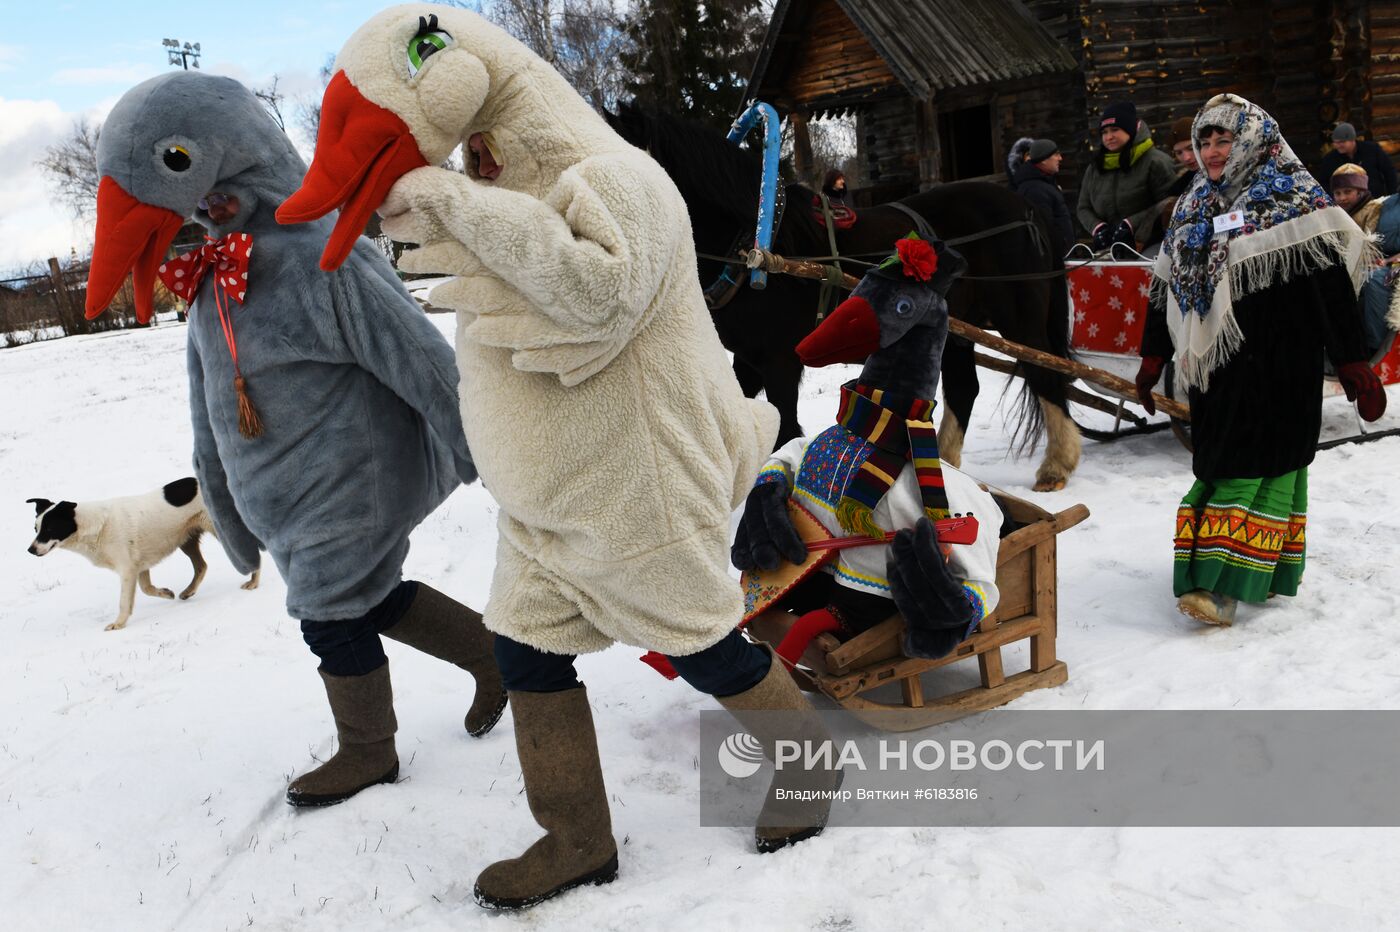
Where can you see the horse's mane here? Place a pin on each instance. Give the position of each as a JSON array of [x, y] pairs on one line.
[[702, 162], [717, 177]]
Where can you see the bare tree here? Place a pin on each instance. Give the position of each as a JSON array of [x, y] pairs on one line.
[[309, 113], [530, 21], [581, 39], [592, 36], [70, 165], [272, 99], [834, 146]]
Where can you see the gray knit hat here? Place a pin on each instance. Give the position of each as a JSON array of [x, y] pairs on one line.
[[1041, 150], [1343, 132]]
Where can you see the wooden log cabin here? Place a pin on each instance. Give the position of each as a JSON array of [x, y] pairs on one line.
[[941, 89]]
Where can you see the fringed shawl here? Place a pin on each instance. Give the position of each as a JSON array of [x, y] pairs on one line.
[[1291, 228]]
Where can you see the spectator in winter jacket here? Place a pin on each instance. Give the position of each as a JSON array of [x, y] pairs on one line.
[[834, 187], [1380, 303], [838, 201], [1033, 164], [1351, 189], [1184, 152], [1125, 183], [1369, 155]]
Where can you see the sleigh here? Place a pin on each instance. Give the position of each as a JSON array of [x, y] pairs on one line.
[[1109, 297], [867, 673]]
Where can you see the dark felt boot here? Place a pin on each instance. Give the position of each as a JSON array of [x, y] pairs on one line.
[[564, 787], [774, 709], [363, 708], [440, 626]]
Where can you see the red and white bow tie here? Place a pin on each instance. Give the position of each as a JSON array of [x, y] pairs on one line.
[[228, 257]]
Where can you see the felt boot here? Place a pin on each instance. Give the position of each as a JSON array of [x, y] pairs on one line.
[[444, 628], [1209, 607], [564, 786], [760, 709], [363, 708]]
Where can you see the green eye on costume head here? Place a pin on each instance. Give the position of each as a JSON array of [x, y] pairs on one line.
[[423, 46]]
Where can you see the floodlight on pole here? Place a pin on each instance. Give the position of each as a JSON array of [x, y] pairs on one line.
[[186, 55]]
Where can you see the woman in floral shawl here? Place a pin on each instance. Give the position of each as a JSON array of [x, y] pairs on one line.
[[1256, 283]]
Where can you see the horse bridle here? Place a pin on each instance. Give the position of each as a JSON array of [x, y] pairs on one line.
[[731, 278]]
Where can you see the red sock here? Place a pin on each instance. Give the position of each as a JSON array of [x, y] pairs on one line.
[[803, 630], [660, 664]]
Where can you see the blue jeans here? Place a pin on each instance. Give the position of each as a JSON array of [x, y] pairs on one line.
[[351, 647], [730, 666]]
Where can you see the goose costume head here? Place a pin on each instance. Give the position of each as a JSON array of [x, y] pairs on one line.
[[603, 416]]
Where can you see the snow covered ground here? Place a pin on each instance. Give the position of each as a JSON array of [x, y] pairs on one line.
[[142, 771]]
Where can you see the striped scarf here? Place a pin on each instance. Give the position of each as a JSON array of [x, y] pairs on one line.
[[895, 438]]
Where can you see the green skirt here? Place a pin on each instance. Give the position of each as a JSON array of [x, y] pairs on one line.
[[1242, 537]]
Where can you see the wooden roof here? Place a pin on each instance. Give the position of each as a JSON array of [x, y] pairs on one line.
[[923, 46]]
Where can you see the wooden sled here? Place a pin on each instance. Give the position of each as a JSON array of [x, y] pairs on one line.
[[872, 659]]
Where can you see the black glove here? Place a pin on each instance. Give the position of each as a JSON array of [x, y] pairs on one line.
[[766, 536], [1123, 233], [1099, 237], [937, 613]]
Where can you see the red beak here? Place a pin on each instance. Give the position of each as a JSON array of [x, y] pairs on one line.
[[849, 334], [131, 237], [361, 150]]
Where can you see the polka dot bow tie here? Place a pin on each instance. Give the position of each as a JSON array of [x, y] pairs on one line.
[[228, 257]]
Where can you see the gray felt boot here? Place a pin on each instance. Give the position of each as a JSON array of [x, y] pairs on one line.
[[776, 709], [564, 786], [363, 708], [440, 626]]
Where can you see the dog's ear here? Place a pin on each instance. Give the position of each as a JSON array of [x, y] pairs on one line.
[[41, 505]]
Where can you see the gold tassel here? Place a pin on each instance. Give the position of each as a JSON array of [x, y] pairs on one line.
[[857, 518], [249, 424]]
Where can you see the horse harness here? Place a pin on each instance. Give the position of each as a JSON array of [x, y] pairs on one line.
[[730, 280]]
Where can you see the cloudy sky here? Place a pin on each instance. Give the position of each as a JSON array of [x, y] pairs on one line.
[[61, 60]]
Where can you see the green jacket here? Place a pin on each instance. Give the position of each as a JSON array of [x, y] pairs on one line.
[[1107, 195]]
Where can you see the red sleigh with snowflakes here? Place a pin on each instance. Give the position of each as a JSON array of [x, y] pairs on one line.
[[1108, 300]]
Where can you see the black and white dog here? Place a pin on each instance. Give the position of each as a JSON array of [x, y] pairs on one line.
[[130, 535]]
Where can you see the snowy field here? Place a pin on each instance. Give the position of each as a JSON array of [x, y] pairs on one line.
[[142, 771]]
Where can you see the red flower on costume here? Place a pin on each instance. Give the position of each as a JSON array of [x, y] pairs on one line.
[[918, 258]]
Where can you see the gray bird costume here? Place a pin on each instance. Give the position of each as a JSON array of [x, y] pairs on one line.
[[357, 391], [326, 424]]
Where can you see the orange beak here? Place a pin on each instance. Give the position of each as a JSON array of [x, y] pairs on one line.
[[361, 150], [849, 334], [131, 237]]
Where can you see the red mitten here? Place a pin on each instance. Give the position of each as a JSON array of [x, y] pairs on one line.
[[1148, 374], [1364, 387]]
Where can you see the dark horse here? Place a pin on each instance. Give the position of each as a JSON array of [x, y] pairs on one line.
[[720, 184]]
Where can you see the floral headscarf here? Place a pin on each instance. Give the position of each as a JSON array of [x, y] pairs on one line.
[[1290, 227]]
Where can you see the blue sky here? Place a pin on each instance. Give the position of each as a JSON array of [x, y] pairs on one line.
[[80, 53], [60, 60]]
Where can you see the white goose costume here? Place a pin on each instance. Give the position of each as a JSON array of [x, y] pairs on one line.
[[601, 408]]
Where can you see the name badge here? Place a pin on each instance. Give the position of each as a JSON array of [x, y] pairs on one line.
[[1231, 221]]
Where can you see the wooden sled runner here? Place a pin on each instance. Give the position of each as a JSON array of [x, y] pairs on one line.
[[1027, 610]]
